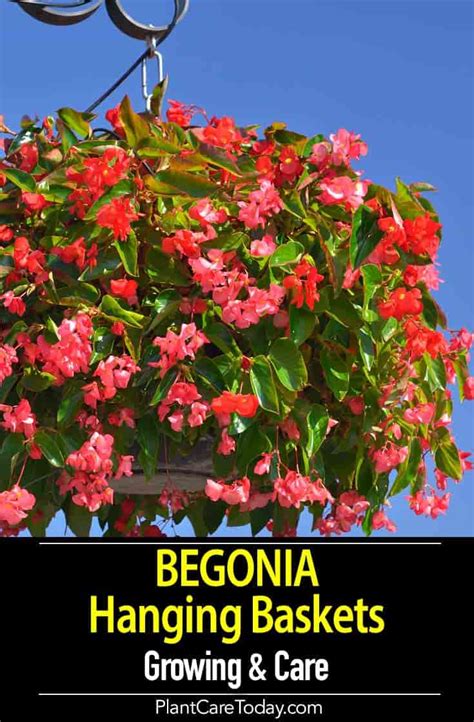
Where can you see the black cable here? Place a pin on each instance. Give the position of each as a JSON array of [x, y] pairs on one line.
[[118, 82]]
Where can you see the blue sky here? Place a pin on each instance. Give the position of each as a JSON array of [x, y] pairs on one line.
[[400, 73]]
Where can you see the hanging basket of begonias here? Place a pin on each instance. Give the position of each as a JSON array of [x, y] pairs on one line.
[[165, 285]]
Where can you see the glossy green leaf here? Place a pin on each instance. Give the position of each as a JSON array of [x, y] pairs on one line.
[[148, 436], [35, 380], [448, 461], [78, 519], [69, 407], [286, 254], [20, 178], [111, 308], [209, 371], [408, 471], [289, 364], [75, 121], [193, 185], [136, 128], [317, 424], [128, 252], [372, 279], [302, 322], [263, 384], [365, 235], [251, 444], [336, 373], [164, 268], [48, 442]]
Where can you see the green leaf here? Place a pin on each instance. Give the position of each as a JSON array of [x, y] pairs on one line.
[[164, 386], [251, 444], [166, 303], [136, 128], [103, 343], [447, 459], [302, 322], [111, 308], [157, 97], [408, 471], [77, 294], [191, 184], [195, 514], [222, 338], [435, 372], [365, 477], [286, 254], [128, 252], [218, 158], [366, 348], [365, 235], [317, 420], [263, 385], [260, 517], [148, 436], [336, 373], [50, 447], [35, 380], [78, 519], [77, 122], [213, 514], [407, 204], [372, 279], [69, 407], [23, 180], [344, 311], [208, 370], [164, 268], [289, 364]]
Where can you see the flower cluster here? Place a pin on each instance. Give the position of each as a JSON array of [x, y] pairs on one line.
[[169, 284]]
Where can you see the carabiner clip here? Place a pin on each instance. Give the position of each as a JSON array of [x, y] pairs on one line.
[[153, 53]]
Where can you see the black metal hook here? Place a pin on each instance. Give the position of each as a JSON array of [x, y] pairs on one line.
[[50, 12]]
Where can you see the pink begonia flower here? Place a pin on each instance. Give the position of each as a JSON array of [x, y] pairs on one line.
[[343, 189], [257, 500], [428, 505], [176, 420], [115, 373], [441, 480], [198, 413], [262, 203], [263, 464], [205, 213], [294, 489], [281, 319], [380, 521], [263, 246], [226, 444], [356, 405], [70, 355], [209, 273], [346, 146], [235, 493], [8, 357], [94, 456], [181, 393], [290, 428], [14, 304], [19, 419], [421, 414], [124, 467], [176, 347], [14, 503], [389, 457], [349, 510], [122, 416]]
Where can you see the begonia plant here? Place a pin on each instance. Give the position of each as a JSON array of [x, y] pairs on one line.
[[163, 282]]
